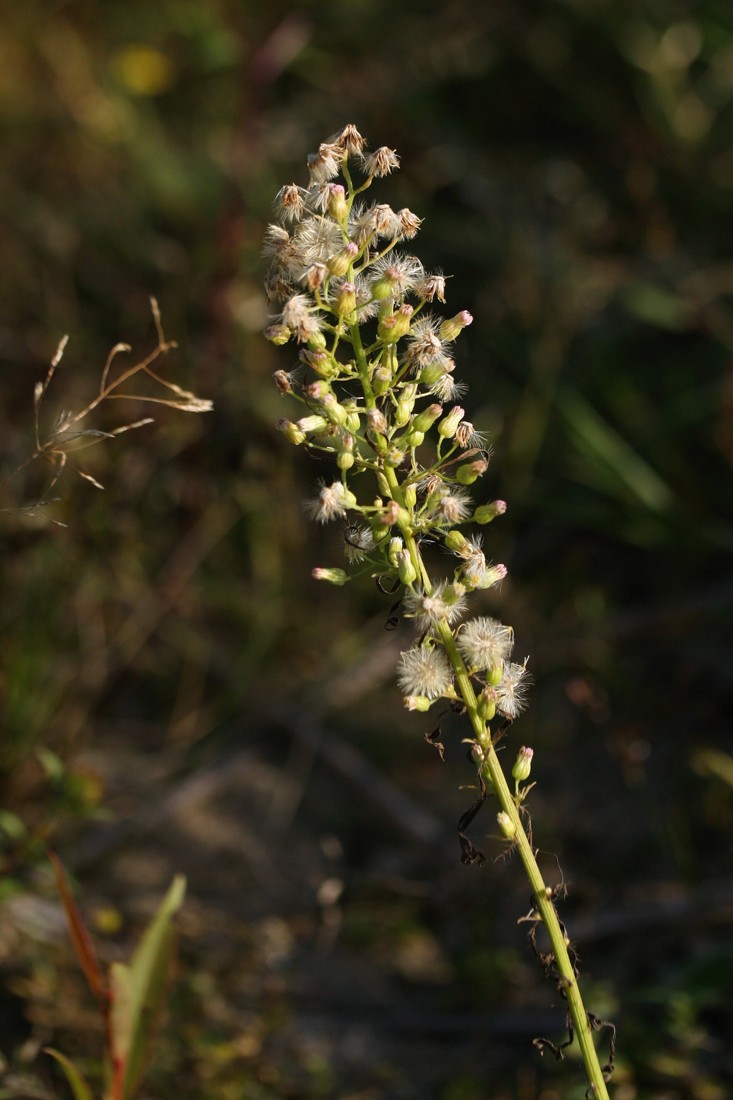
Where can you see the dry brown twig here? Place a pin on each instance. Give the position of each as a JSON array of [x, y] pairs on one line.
[[67, 435]]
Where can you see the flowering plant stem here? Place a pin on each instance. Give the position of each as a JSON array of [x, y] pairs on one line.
[[510, 803], [344, 291]]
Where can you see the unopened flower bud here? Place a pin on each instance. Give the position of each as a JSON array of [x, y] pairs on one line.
[[337, 205], [313, 423], [449, 424], [395, 325], [456, 542], [405, 568], [486, 512], [342, 261], [331, 576], [425, 420], [506, 824], [316, 341], [336, 413], [432, 373], [318, 390], [345, 457], [452, 328], [381, 381], [291, 431], [405, 405], [396, 546], [410, 495], [377, 421], [278, 334], [345, 302], [471, 471], [413, 439], [523, 764], [486, 704], [352, 417], [419, 703]]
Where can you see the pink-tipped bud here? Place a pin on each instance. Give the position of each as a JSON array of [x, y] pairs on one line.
[[523, 764], [331, 576], [486, 512], [337, 205], [278, 334], [453, 327], [377, 421], [346, 300], [395, 325], [342, 261], [424, 421], [471, 471], [486, 704]]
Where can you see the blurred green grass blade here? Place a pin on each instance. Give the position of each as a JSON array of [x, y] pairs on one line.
[[138, 989], [622, 469], [656, 306], [77, 1084]]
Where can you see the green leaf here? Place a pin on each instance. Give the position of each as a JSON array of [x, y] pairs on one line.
[[137, 991], [78, 1085]]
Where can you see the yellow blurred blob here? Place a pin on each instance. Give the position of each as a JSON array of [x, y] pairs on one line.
[[144, 70]]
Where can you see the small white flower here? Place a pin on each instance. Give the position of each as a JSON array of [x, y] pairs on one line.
[[485, 642], [511, 694], [424, 670]]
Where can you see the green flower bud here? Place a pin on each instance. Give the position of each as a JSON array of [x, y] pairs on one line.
[[486, 512], [393, 326], [381, 381], [396, 546], [523, 764], [471, 471], [336, 413], [405, 568], [313, 424], [410, 495], [337, 206], [449, 424], [346, 300], [316, 341], [486, 704], [432, 373], [291, 431], [413, 439], [425, 420], [419, 703], [405, 405], [278, 334], [342, 261], [453, 327], [455, 542], [506, 824], [331, 576], [353, 422]]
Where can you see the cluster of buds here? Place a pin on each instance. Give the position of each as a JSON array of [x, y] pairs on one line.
[[375, 378]]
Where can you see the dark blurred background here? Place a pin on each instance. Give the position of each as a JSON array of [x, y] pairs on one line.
[[179, 695]]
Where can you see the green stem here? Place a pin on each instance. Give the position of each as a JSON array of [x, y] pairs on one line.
[[494, 773]]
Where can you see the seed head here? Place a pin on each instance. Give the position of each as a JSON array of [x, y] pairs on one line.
[[485, 642], [513, 689], [424, 670]]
